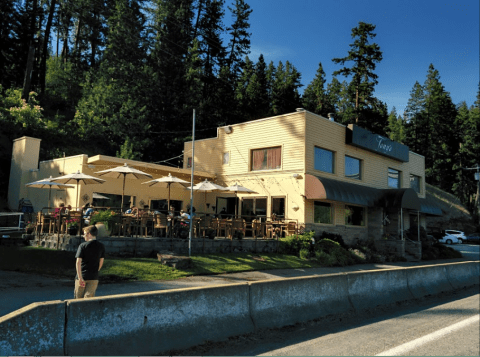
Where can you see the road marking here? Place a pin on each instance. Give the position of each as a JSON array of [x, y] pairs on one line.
[[399, 350]]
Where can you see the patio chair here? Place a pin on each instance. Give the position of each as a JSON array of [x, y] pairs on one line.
[[205, 224], [160, 223], [290, 229], [141, 225], [238, 225], [223, 226]]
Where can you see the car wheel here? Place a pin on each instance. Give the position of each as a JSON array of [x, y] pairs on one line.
[[449, 241], [460, 240]]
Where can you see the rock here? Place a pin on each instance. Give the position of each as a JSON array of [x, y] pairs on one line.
[[175, 261]]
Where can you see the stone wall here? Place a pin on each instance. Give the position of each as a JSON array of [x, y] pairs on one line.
[[387, 246], [349, 234], [414, 248], [150, 246]]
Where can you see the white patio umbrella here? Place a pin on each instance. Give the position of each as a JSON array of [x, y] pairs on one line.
[[125, 171], [48, 183], [238, 188], [99, 196], [206, 186], [79, 177], [168, 180]]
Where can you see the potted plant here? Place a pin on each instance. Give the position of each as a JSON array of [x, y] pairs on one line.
[[29, 227], [72, 225], [103, 217], [239, 233]]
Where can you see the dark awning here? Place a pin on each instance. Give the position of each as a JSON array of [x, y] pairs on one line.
[[321, 188]]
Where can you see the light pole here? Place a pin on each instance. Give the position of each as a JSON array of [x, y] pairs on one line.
[[477, 178]]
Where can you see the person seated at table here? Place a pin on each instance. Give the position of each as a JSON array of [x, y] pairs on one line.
[[87, 212], [132, 211], [144, 211], [60, 210], [184, 215], [192, 212], [68, 209], [223, 213], [274, 216]]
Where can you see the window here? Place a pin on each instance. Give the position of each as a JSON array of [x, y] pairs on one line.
[[393, 178], [324, 160], [354, 216], [189, 163], [353, 168], [267, 159], [415, 183], [322, 213], [278, 206], [254, 206], [226, 158]]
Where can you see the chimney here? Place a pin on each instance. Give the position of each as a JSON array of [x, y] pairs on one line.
[[330, 117]]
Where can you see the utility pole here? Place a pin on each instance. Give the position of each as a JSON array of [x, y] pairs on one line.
[[477, 178]]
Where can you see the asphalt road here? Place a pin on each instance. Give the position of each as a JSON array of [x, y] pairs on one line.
[[469, 251], [446, 325]]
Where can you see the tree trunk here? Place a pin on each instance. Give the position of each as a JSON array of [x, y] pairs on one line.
[[43, 63]]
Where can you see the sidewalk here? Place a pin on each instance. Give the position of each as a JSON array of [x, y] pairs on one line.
[[18, 290]]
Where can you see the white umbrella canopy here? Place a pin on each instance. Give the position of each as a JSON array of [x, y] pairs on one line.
[[48, 183], [206, 186], [79, 177], [238, 188], [166, 180], [125, 171]]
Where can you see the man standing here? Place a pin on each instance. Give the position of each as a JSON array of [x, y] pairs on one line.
[[90, 256]]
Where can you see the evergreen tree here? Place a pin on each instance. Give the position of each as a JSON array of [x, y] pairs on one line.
[[416, 128], [315, 98], [395, 130], [364, 56], [239, 45], [440, 113], [285, 95]]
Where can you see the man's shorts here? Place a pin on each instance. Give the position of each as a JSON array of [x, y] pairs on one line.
[[87, 291]]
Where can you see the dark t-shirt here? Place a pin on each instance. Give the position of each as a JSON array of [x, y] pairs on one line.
[[90, 252]]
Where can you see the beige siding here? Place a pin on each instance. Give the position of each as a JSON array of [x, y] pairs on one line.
[[331, 136]]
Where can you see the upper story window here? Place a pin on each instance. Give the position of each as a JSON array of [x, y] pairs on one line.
[[324, 160], [267, 159], [415, 182], [226, 158], [393, 178], [353, 168]]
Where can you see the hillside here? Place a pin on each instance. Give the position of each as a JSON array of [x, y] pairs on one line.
[[455, 215]]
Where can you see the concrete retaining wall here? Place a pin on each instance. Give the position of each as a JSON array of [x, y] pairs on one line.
[[155, 322], [148, 246]]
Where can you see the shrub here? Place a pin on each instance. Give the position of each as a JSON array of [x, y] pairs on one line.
[[293, 244], [304, 253], [439, 251], [334, 237], [324, 258]]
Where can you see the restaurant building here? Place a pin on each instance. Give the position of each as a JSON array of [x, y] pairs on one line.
[[325, 175]]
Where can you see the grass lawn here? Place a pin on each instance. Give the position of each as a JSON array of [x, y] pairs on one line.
[[45, 261]]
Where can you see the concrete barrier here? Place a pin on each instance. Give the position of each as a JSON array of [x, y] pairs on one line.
[[148, 323], [463, 274], [428, 280], [154, 322], [378, 287], [35, 329], [289, 301]]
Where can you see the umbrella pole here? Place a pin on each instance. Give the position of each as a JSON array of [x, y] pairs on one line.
[[49, 196], [77, 195], [168, 202], [123, 192]]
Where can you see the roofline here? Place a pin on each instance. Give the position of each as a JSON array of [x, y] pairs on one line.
[[121, 161]]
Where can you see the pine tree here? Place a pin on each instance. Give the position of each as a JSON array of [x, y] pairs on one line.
[[314, 97], [440, 113], [364, 55], [285, 95], [416, 128], [395, 130], [239, 45]]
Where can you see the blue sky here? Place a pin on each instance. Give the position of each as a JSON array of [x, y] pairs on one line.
[[411, 34]]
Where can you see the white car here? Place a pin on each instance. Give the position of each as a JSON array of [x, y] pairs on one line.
[[450, 239], [459, 234]]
